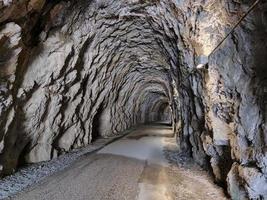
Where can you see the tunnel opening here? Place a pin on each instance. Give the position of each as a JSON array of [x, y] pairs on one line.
[[165, 114], [141, 57], [96, 124]]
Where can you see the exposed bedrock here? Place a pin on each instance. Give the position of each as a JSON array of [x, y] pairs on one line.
[[73, 71]]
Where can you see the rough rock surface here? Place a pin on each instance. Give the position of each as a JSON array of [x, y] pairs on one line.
[[72, 71]]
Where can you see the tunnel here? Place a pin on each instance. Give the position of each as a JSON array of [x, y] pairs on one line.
[[73, 73]]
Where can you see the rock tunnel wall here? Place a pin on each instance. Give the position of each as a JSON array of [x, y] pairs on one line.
[[71, 71], [84, 66], [235, 108]]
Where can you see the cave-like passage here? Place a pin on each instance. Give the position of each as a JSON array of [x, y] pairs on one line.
[[77, 73]]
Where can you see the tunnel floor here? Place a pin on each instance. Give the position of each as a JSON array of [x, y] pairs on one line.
[[142, 165]]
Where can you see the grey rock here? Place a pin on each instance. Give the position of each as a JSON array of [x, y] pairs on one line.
[[74, 71]]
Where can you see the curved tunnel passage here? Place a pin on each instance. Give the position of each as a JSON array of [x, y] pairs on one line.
[[73, 71]]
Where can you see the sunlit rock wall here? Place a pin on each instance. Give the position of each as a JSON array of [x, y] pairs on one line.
[[73, 71]]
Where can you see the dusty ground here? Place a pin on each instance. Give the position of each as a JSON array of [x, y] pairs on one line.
[[139, 166], [32, 174]]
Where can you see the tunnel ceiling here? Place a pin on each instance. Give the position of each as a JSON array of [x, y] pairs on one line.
[[74, 70]]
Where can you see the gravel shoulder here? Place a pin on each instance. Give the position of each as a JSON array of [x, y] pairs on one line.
[[33, 174]]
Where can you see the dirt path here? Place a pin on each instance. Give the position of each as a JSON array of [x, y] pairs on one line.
[[139, 166]]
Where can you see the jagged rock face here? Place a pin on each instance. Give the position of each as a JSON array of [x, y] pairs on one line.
[[235, 111], [71, 71], [95, 70]]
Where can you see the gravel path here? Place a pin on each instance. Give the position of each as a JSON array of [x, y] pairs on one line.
[[33, 174], [143, 165]]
